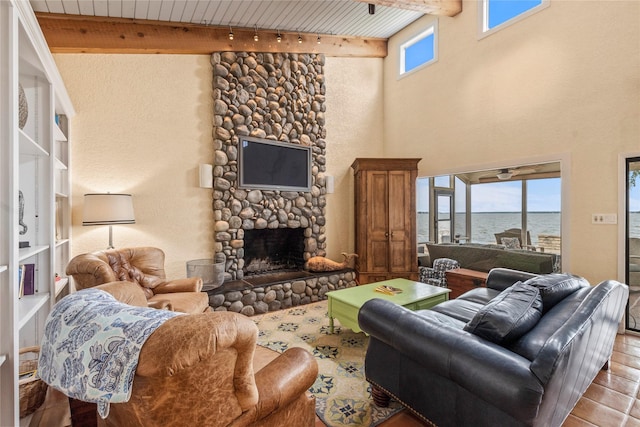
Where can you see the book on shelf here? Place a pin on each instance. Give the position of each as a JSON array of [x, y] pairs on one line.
[[29, 287], [21, 281]]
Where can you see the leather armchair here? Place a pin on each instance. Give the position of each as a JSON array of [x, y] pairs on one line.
[[206, 370], [145, 267]]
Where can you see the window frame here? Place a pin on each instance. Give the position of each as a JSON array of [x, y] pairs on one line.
[[483, 18], [432, 28]]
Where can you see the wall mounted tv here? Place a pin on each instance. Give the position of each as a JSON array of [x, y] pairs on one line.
[[272, 165]]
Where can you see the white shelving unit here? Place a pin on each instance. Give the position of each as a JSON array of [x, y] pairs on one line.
[[34, 190]]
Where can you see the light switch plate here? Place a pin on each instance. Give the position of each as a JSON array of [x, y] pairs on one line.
[[601, 218]]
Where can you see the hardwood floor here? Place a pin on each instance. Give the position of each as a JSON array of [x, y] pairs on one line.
[[612, 400]]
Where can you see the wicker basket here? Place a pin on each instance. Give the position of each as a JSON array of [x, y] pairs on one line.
[[32, 390]]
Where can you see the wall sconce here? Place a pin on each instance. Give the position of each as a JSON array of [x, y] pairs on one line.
[[255, 35], [279, 37], [330, 184], [318, 40], [206, 175], [299, 38], [230, 33], [108, 209]]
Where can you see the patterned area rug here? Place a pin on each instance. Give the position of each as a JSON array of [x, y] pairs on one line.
[[343, 396]]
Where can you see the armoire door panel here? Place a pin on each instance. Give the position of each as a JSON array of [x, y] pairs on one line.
[[400, 221], [377, 220], [379, 259]]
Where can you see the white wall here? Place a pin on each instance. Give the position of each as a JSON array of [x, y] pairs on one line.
[[563, 83], [144, 123]]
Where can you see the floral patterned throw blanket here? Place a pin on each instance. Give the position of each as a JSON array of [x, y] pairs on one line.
[[91, 346]]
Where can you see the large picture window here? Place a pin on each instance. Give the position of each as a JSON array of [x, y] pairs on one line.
[[419, 51]]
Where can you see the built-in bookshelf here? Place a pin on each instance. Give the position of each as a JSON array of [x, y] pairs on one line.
[[34, 188]]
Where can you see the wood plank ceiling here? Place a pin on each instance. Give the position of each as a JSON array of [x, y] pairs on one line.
[[343, 27]]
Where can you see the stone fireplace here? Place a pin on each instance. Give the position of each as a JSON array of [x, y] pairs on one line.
[[280, 97], [264, 237]]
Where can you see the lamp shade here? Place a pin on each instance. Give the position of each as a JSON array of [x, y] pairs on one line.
[[108, 209]]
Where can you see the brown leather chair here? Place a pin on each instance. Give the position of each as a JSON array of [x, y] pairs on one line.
[[145, 267], [206, 370]]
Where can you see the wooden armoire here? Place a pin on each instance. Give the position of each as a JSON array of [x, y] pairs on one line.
[[385, 219]]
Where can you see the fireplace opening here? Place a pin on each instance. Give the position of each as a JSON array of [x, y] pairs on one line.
[[273, 250]]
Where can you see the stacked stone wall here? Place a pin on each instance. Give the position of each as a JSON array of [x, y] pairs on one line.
[[280, 97], [261, 299]]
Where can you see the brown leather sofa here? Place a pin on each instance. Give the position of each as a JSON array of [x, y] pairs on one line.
[[145, 267], [206, 370]]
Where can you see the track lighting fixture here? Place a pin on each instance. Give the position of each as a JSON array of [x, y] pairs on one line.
[[299, 38], [230, 33], [279, 37], [255, 35]]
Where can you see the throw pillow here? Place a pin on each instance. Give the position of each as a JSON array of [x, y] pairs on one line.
[[511, 242], [555, 287], [508, 316]]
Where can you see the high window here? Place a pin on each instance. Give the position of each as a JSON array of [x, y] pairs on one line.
[[497, 14], [419, 51]]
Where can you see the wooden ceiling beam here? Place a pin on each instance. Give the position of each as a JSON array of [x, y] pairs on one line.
[[89, 34], [432, 7]]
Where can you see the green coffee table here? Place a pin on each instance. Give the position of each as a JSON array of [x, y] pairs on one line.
[[345, 303]]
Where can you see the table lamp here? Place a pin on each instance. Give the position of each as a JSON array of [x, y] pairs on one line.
[[108, 209]]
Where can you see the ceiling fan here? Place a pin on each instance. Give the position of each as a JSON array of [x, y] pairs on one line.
[[506, 174]]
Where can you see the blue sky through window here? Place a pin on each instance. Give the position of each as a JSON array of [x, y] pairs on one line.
[[500, 11], [419, 53], [544, 195]]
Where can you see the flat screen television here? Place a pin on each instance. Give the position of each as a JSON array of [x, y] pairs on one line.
[[272, 165]]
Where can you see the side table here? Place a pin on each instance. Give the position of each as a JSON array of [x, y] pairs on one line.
[[461, 280]]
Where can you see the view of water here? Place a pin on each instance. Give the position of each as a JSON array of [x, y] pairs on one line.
[[485, 224], [634, 224]]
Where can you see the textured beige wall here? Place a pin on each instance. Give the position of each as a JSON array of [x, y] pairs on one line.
[[144, 123], [561, 83], [354, 129]]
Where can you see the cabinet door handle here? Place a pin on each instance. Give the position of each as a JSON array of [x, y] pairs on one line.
[[386, 234]]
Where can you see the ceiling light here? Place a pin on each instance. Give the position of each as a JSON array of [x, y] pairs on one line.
[[255, 35], [504, 175], [299, 38], [230, 33], [279, 37], [318, 39]]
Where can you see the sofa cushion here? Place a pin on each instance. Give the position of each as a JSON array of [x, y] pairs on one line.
[[508, 316], [460, 309], [555, 287]]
